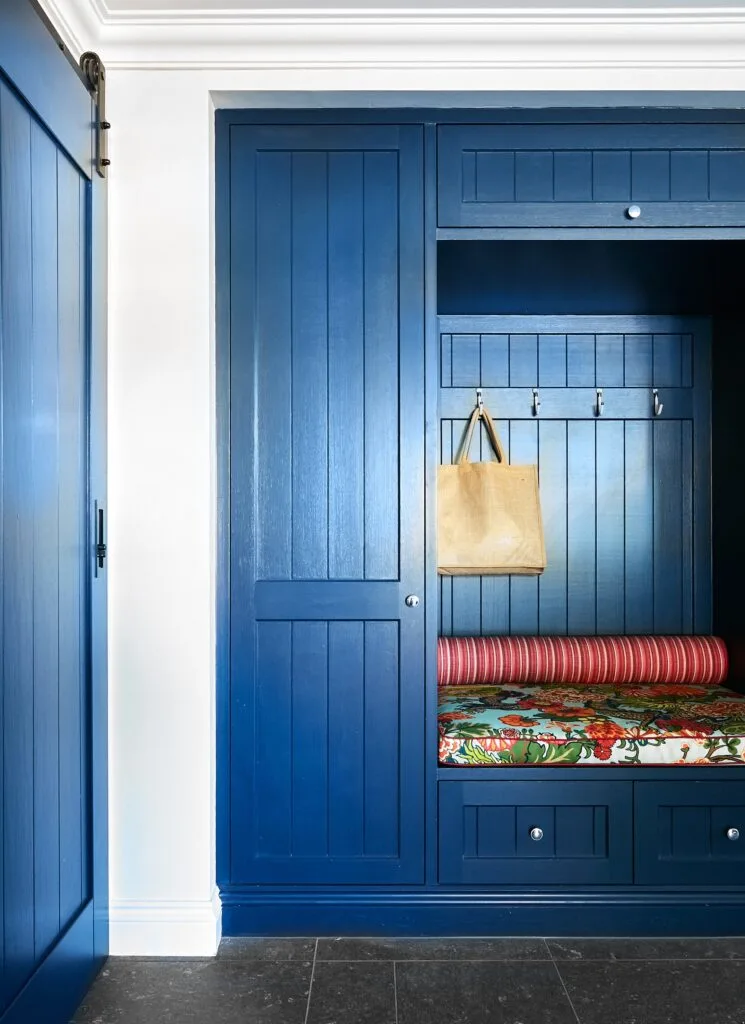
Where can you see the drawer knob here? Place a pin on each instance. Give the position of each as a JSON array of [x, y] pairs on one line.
[[633, 212], [536, 834], [733, 834]]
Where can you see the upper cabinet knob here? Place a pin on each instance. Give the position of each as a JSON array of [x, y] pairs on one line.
[[633, 212], [733, 834], [412, 601]]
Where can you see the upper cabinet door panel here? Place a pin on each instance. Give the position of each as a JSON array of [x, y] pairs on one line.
[[621, 175]]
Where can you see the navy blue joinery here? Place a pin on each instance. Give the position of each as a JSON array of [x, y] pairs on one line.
[[535, 833], [53, 901], [579, 176], [625, 495], [690, 833], [326, 769]]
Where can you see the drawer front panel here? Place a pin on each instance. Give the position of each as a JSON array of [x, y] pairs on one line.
[[534, 833], [690, 833], [591, 176]]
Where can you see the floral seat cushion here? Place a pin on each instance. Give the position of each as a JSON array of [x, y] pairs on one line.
[[663, 723]]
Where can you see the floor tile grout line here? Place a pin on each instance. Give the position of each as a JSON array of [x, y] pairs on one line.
[[548, 949], [447, 960], [395, 993], [566, 993], [312, 976]]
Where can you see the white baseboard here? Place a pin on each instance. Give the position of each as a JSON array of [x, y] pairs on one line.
[[165, 927]]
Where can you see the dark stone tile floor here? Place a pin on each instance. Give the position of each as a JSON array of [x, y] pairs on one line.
[[430, 981]]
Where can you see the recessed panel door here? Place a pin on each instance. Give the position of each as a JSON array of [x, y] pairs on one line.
[[326, 505]]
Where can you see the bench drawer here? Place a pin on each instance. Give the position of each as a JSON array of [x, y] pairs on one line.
[[535, 833], [690, 833], [575, 175]]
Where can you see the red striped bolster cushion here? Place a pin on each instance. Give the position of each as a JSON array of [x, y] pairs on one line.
[[589, 659]]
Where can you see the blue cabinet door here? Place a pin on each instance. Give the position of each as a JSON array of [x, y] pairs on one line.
[[571, 175], [325, 740], [689, 833], [53, 901]]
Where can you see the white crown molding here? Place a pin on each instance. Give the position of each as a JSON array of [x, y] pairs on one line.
[[506, 39], [77, 22]]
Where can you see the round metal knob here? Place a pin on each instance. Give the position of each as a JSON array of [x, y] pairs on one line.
[[536, 834], [412, 601], [633, 212], [733, 834]]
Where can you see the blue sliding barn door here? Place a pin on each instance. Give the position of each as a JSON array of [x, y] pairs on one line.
[[53, 907], [326, 745]]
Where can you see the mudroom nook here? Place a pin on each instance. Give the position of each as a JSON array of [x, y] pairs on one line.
[[579, 275]]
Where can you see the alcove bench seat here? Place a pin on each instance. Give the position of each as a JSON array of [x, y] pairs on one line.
[[562, 724], [587, 700]]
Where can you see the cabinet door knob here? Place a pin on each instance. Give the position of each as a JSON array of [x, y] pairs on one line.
[[411, 601], [536, 834], [634, 211], [733, 834]]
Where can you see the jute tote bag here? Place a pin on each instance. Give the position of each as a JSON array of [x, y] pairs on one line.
[[488, 514]]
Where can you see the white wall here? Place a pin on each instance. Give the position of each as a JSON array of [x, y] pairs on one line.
[[162, 531]]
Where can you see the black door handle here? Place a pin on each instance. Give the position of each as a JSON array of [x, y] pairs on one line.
[[100, 541]]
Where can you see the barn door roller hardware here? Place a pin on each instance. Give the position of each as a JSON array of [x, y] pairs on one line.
[[95, 74]]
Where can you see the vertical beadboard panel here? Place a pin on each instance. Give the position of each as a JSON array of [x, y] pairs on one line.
[[346, 738], [45, 470], [381, 365], [650, 175], [381, 753], [310, 739], [495, 590], [346, 368], [309, 367], [275, 384], [611, 175], [688, 473], [580, 360], [495, 360], [71, 551], [572, 176], [639, 527], [18, 542], [668, 527], [270, 809], [346, 355], [609, 559], [523, 360], [552, 585], [552, 360], [581, 514], [523, 589], [466, 360]]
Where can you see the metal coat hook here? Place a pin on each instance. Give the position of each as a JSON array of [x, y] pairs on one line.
[[599, 403], [658, 406], [480, 401], [536, 402]]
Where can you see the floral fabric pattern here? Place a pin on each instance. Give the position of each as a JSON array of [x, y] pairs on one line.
[[664, 723]]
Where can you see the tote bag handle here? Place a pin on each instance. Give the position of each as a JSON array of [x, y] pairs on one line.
[[491, 430]]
